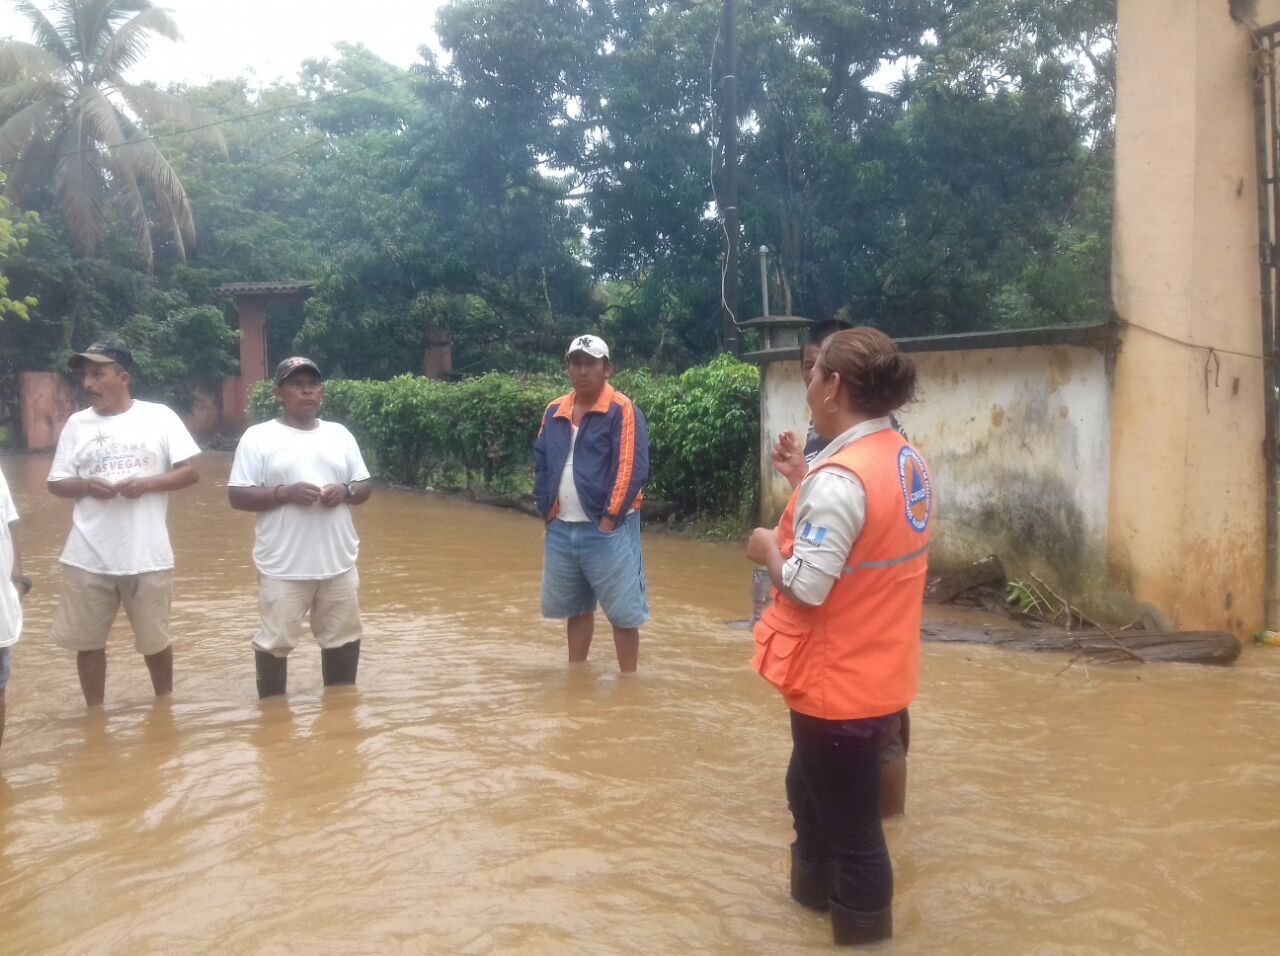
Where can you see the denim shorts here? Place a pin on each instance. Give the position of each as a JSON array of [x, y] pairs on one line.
[[5, 666], [581, 563]]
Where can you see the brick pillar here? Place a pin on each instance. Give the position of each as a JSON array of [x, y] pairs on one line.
[[437, 358], [253, 339], [252, 311], [47, 402]]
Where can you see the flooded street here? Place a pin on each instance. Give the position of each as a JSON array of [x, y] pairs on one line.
[[474, 796]]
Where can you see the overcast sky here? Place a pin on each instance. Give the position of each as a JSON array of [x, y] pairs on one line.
[[269, 37]]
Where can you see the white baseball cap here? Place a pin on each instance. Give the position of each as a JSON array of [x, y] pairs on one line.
[[593, 345]]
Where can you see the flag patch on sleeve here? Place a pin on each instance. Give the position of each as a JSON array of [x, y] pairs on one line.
[[811, 535]]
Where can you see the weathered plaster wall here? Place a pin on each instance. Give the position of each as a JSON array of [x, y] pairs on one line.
[[1018, 443], [1017, 440], [1187, 514]]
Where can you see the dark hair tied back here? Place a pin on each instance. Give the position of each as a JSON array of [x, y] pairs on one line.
[[875, 375]]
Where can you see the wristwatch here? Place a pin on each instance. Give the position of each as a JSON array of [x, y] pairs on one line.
[[22, 581], [347, 485]]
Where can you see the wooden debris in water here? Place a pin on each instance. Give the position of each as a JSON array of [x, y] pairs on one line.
[[1193, 647]]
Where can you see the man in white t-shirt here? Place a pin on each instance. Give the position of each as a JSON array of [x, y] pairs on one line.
[[118, 460], [14, 586], [300, 475]]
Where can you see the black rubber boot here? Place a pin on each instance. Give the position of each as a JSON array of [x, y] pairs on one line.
[[857, 928], [813, 882], [338, 664], [273, 673]]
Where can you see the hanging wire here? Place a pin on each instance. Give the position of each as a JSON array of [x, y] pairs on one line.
[[711, 177]]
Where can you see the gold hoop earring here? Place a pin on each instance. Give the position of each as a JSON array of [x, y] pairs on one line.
[[826, 404]]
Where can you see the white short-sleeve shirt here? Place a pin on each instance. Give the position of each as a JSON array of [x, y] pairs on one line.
[[292, 542], [10, 606], [121, 535]]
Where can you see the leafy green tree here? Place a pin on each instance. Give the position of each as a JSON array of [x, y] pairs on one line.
[[13, 236], [924, 165], [74, 131], [257, 204], [436, 220], [973, 192], [171, 352]]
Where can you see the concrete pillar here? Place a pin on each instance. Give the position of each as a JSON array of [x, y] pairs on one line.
[[782, 400], [1187, 492], [782, 409]]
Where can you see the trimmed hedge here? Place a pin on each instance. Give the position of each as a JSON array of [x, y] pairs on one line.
[[704, 428]]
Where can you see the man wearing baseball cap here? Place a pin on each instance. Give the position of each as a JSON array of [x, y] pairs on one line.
[[118, 460], [300, 475], [591, 459]]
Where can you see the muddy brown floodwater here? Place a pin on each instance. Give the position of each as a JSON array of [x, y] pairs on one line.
[[474, 796]]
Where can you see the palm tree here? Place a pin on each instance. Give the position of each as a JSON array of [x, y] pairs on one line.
[[73, 127]]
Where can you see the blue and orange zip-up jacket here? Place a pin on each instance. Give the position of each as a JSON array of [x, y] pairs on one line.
[[610, 459]]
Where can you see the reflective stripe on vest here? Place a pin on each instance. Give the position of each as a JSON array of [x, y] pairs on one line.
[[887, 562], [857, 654]]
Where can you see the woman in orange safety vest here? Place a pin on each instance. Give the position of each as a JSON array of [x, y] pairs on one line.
[[841, 640]]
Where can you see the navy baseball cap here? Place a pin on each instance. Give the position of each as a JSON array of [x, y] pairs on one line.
[[103, 352], [293, 364]]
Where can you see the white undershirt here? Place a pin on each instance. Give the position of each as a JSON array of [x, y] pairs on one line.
[[570, 503]]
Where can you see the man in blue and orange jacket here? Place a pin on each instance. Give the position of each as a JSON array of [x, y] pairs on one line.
[[591, 460]]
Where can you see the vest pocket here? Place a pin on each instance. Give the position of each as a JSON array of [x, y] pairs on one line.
[[775, 658]]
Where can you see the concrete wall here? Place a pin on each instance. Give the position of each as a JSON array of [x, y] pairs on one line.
[[1019, 446], [1018, 443], [1187, 513]]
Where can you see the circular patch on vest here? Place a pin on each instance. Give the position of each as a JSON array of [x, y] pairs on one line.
[[917, 490]]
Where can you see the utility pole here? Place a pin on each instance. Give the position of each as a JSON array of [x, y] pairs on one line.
[[729, 209]]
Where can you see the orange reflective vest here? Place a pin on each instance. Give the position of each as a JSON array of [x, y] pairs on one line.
[[858, 653]]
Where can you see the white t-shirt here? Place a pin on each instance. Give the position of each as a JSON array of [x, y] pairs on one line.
[[570, 504], [121, 535], [293, 542], [10, 606]]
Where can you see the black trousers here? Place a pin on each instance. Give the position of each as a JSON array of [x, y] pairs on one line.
[[833, 790]]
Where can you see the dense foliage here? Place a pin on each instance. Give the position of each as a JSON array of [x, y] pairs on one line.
[[703, 430], [74, 130], [924, 165], [13, 236]]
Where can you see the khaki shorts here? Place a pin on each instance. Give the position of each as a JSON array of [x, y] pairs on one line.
[[89, 601], [896, 739], [332, 603]]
